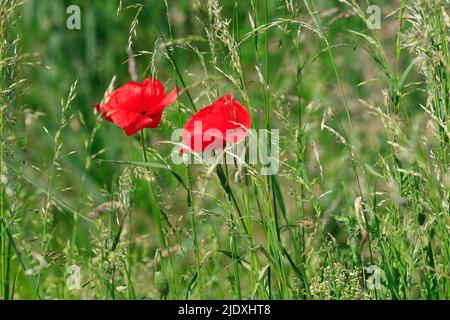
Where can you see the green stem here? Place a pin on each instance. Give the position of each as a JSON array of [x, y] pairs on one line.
[[2, 213], [194, 234], [154, 203]]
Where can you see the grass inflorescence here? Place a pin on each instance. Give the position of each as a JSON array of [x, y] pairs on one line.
[[359, 206]]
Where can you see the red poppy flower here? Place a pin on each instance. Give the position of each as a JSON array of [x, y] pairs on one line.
[[136, 106], [226, 120]]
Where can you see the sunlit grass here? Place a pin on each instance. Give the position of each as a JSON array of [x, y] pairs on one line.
[[363, 183]]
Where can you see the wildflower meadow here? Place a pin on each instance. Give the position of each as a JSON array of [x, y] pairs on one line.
[[224, 150]]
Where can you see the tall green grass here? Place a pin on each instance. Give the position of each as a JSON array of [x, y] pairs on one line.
[[363, 180]]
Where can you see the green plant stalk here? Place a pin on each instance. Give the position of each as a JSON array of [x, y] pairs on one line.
[[254, 262], [399, 41], [198, 261], [82, 187], [445, 79], [255, 266], [47, 204], [156, 209], [2, 211], [129, 268], [191, 206], [235, 258], [345, 102], [300, 254], [154, 203], [157, 214], [225, 185], [245, 222], [233, 242], [394, 91], [313, 13], [188, 172], [444, 71], [49, 191], [272, 180], [270, 221], [3, 242]]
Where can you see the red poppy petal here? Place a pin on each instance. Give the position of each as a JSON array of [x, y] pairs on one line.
[[153, 87], [129, 97], [135, 106], [100, 111], [134, 126], [155, 120], [170, 98], [152, 121], [123, 119], [228, 119], [152, 94]]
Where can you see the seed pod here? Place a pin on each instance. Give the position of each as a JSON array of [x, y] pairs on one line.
[[161, 283]]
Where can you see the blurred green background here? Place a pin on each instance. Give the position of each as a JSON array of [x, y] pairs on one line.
[[96, 53]]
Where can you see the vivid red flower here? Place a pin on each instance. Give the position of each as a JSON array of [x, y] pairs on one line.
[[226, 120], [136, 106]]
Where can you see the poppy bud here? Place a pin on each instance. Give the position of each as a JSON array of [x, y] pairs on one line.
[[161, 283]]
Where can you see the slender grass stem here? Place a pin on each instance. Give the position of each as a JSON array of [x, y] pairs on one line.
[[3, 241], [198, 260], [154, 203]]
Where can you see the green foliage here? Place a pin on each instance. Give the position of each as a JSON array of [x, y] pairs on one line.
[[364, 132]]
